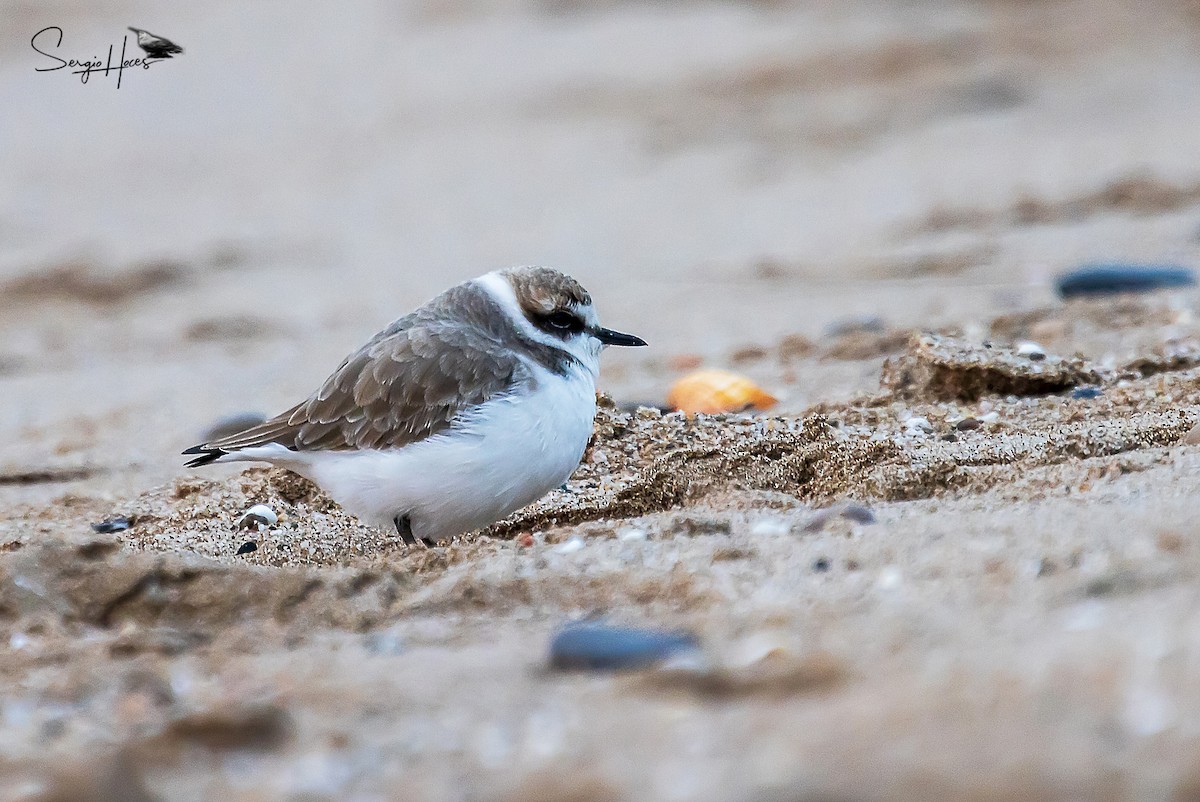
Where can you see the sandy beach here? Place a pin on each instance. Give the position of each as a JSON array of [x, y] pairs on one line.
[[956, 561]]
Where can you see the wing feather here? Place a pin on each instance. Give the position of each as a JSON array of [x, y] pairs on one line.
[[412, 380]]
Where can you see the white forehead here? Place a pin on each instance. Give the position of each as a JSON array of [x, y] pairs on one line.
[[587, 312], [582, 345]]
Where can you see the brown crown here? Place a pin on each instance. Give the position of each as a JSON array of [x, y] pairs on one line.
[[541, 290]]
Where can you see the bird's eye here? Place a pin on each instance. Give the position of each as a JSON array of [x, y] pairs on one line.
[[563, 321]]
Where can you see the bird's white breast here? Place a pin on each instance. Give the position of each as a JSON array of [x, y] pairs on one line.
[[508, 452]]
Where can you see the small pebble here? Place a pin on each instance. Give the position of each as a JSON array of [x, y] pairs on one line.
[[748, 353], [795, 346], [1106, 279], [231, 424], [1171, 542], [1086, 392], [600, 647], [859, 513], [851, 511], [821, 565], [525, 541], [247, 547], [967, 424], [119, 524], [683, 362], [1192, 438], [854, 325]]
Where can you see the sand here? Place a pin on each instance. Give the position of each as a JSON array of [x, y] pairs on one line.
[[948, 565]]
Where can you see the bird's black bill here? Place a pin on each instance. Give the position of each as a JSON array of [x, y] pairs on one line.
[[610, 337]]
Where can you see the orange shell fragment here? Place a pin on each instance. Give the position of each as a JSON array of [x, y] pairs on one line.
[[713, 391]]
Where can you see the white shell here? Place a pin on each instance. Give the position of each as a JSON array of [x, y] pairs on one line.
[[1031, 350], [569, 547], [770, 527], [917, 425], [258, 515], [631, 534]]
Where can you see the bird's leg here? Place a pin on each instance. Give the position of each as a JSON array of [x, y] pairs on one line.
[[404, 529]]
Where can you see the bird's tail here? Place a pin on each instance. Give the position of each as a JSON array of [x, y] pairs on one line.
[[269, 439]]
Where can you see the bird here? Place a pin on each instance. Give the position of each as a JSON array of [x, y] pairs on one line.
[[455, 415], [155, 46]]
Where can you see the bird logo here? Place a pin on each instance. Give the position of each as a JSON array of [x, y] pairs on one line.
[[155, 46]]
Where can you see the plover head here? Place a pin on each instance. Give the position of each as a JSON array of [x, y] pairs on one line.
[[560, 314]]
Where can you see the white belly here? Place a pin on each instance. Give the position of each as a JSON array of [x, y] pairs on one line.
[[511, 453]]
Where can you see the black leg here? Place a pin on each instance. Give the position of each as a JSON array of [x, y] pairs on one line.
[[404, 529], [429, 544]]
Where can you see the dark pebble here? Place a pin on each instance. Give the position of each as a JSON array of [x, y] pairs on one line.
[[247, 547], [967, 424], [821, 565], [232, 424], [600, 647], [851, 511], [870, 324], [858, 513], [1104, 279], [1086, 392], [54, 728], [112, 525]]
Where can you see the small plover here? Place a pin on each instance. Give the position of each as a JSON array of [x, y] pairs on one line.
[[155, 46], [476, 404]]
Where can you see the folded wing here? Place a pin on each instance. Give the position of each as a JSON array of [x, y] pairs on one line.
[[410, 382]]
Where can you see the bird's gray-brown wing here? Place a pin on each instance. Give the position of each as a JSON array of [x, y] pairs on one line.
[[409, 382]]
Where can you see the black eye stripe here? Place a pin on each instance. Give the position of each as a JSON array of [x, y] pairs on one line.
[[559, 322]]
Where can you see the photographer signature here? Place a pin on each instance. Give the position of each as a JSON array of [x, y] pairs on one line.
[[45, 38]]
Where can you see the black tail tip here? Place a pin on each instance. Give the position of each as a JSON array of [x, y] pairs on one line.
[[207, 455]]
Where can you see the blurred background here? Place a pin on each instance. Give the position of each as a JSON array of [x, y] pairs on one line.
[[216, 234]]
